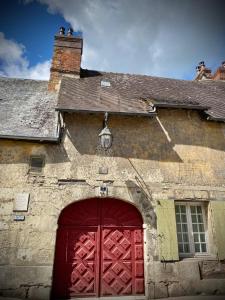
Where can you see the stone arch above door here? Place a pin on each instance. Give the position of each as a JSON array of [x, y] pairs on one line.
[[99, 250]]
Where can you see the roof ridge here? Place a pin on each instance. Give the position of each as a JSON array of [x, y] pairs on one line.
[[20, 79], [134, 74]]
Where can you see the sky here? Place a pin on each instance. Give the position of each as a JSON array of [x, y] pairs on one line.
[[165, 38]]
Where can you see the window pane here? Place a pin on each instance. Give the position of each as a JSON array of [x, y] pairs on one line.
[[199, 209], [177, 208], [185, 238], [193, 209], [201, 227], [200, 219], [203, 247], [180, 247], [184, 228], [183, 218], [194, 218], [186, 248], [179, 237], [197, 247], [196, 238], [182, 208], [178, 218], [179, 228], [202, 237], [195, 227]]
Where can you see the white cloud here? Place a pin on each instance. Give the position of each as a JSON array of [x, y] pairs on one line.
[[163, 37], [13, 62]]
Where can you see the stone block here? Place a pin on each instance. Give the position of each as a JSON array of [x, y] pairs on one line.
[[162, 272], [14, 294], [211, 287], [6, 206], [212, 269], [4, 225], [39, 293], [175, 290], [42, 222], [183, 194], [217, 195], [12, 277], [188, 286], [151, 290], [161, 290], [201, 195], [188, 270]]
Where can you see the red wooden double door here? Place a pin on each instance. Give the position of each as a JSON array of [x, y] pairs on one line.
[[99, 250]]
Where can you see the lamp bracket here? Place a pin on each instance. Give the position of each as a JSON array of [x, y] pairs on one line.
[[106, 116]]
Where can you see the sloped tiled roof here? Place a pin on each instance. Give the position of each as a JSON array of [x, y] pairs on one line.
[[135, 94], [27, 110]]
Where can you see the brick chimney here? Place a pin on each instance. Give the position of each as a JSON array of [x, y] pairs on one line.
[[66, 59], [203, 73], [220, 72]]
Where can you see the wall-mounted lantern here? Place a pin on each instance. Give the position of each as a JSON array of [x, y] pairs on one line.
[[105, 135]]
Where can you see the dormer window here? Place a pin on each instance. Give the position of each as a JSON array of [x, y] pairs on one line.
[[105, 83]]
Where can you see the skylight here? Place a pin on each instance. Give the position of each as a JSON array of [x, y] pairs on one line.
[[105, 83]]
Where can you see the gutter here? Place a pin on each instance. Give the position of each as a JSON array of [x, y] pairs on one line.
[[30, 138], [210, 118], [71, 110], [165, 105]]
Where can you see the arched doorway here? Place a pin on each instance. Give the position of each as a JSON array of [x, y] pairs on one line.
[[99, 250]]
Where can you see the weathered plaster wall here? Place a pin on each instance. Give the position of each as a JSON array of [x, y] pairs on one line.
[[175, 156]]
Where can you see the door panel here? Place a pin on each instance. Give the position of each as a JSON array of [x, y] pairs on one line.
[[82, 261], [138, 261], [77, 265], [122, 271]]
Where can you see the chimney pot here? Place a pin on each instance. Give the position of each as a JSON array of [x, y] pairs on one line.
[[203, 72], [62, 31], [223, 63], [70, 31], [198, 68]]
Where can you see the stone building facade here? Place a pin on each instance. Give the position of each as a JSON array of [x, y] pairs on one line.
[[165, 169]]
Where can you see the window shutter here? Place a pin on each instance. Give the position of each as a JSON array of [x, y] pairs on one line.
[[167, 232], [218, 225]]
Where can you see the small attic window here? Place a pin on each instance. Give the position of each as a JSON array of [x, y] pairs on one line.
[[105, 83], [36, 164]]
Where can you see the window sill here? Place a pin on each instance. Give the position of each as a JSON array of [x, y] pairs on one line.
[[199, 258]]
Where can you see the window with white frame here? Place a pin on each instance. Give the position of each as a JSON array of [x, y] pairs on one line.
[[191, 229]]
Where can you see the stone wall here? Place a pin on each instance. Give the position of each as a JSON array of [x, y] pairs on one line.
[[176, 156]]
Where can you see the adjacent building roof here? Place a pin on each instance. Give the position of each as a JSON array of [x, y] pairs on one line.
[[27, 110], [137, 94]]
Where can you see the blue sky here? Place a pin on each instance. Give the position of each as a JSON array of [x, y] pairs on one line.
[[164, 38], [30, 25]]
